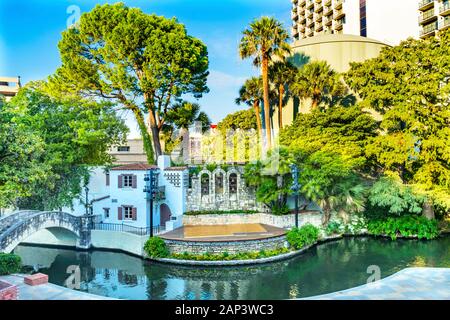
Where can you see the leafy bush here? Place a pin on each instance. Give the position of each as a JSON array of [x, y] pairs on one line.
[[9, 263], [225, 256], [333, 228], [198, 213], [406, 226], [156, 248], [301, 237], [280, 210]]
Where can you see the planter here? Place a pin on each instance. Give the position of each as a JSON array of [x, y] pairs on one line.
[[8, 291]]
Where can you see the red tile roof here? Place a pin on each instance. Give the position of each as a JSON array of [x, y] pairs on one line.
[[134, 167]]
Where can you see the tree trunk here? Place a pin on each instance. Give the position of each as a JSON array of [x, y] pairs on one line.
[[280, 106], [265, 69], [258, 117], [428, 210], [146, 138], [155, 134], [315, 103], [326, 213]]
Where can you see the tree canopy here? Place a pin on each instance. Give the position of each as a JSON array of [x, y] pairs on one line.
[[65, 138], [142, 62], [409, 85]]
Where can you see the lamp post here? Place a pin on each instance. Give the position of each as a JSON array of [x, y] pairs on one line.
[[295, 188], [150, 189], [86, 203]]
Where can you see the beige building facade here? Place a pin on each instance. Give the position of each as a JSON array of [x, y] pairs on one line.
[[9, 87], [130, 152], [338, 51]]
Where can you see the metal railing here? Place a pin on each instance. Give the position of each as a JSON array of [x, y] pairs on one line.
[[116, 227]]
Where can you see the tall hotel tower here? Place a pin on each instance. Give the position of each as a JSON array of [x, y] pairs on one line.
[[434, 15], [389, 21]]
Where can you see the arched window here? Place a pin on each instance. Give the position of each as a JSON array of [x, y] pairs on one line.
[[204, 184], [219, 183], [233, 183]]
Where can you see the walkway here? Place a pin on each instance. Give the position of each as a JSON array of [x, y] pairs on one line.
[[408, 284], [48, 291]]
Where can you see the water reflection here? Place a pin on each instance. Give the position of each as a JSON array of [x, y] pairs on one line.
[[330, 267]]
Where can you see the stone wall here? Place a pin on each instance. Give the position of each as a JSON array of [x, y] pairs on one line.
[[231, 193], [287, 221], [200, 247]]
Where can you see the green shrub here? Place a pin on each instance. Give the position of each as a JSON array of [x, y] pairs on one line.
[[301, 237], [9, 263], [156, 248], [280, 210], [405, 226], [225, 256], [333, 228]]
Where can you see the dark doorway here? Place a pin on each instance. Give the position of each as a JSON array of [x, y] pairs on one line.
[[165, 214]]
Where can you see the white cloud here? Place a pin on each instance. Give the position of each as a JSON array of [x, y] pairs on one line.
[[222, 80]]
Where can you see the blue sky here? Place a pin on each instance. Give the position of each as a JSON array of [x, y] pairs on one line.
[[31, 29]]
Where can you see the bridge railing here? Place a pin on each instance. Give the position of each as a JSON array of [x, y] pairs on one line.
[[144, 231], [20, 225]]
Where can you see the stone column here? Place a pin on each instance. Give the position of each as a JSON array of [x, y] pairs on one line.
[[84, 240]]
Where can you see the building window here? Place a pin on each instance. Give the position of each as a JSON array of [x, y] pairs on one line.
[[128, 181], [106, 213], [128, 213], [219, 183], [123, 149], [363, 18], [107, 178], [233, 183], [204, 181]]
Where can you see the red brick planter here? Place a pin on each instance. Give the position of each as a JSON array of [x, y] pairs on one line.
[[8, 291], [36, 279]]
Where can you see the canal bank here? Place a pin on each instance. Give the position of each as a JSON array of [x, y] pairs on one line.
[[122, 276]]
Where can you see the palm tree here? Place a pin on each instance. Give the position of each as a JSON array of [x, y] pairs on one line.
[[251, 93], [317, 81], [264, 39], [281, 74]]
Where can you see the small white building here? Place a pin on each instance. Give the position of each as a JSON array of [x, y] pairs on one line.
[[118, 196]]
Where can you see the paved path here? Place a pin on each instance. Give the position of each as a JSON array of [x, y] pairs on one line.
[[48, 291], [408, 284]]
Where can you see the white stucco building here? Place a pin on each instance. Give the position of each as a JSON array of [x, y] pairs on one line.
[[118, 196]]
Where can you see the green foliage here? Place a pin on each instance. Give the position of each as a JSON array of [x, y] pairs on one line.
[[408, 85], [272, 179], [68, 134], [304, 236], [333, 228], [405, 226], [243, 119], [143, 62], [199, 213], [9, 263], [320, 83], [225, 256], [389, 196], [155, 247]]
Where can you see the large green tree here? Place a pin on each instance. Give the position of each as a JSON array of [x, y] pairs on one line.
[[251, 93], [328, 146], [282, 75], [265, 39], [21, 151], [409, 85], [75, 135], [143, 62], [320, 83]]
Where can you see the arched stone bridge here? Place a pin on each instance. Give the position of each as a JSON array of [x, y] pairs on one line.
[[17, 227]]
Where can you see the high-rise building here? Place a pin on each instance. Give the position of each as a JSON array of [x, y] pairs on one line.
[[389, 21], [9, 87], [434, 15]]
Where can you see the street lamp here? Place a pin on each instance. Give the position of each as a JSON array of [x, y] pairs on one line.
[[150, 189], [86, 203], [296, 189]]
